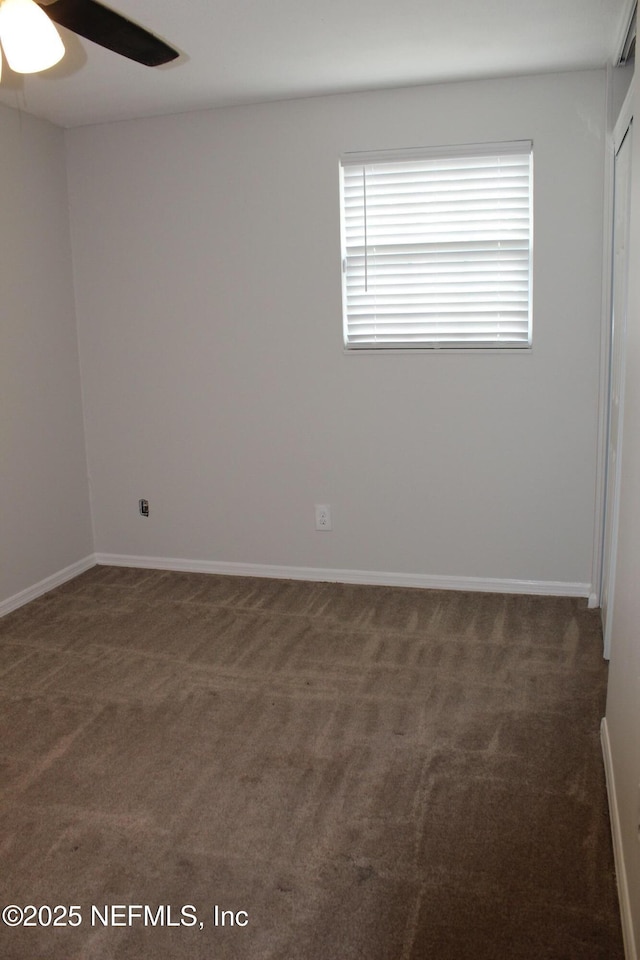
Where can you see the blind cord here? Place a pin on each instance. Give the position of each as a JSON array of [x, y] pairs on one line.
[[366, 247]]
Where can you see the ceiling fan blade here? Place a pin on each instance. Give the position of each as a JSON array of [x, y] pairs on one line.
[[103, 26]]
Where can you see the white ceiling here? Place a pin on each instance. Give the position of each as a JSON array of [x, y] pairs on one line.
[[247, 51]]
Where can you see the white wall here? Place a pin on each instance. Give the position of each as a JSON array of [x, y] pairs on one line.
[[206, 250], [623, 701], [44, 500]]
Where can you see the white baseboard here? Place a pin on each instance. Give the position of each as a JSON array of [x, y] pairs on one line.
[[628, 935], [547, 588], [49, 583], [372, 577]]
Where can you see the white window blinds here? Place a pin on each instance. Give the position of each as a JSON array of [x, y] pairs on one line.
[[437, 246]]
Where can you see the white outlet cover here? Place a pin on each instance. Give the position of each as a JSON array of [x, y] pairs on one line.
[[323, 516]]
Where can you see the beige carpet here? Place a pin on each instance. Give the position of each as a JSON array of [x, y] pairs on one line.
[[358, 772]]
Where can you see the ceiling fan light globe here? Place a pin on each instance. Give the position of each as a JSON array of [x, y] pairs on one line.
[[29, 39]]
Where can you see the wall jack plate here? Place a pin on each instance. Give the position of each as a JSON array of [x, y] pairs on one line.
[[144, 508]]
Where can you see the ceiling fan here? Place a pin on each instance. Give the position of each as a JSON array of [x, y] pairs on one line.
[[31, 43]]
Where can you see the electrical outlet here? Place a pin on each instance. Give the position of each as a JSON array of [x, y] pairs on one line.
[[144, 508], [323, 516]]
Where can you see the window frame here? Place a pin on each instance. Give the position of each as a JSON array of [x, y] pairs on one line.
[[456, 151]]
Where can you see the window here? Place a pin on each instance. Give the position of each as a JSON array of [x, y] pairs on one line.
[[436, 247]]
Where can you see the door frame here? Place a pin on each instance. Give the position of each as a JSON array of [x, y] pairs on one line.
[[614, 142]]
